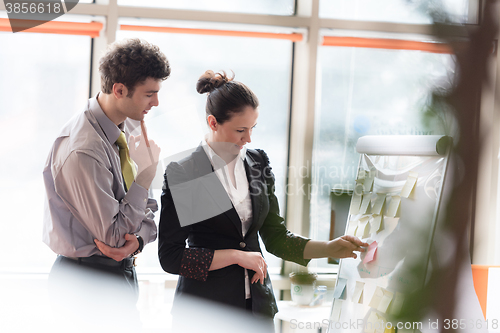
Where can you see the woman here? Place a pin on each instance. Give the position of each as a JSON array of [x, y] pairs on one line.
[[218, 199]]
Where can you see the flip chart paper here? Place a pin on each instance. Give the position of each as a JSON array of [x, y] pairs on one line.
[[378, 205], [409, 185], [357, 296], [339, 292], [365, 205], [393, 208], [376, 223], [337, 308], [370, 254]]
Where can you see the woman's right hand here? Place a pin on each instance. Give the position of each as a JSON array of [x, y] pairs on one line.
[[255, 262]]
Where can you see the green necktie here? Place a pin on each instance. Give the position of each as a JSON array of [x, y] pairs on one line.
[[128, 168]]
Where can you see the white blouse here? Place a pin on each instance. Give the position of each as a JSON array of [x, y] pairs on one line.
[[239, 194]]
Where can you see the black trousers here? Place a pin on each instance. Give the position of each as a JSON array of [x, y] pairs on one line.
[[91, 294]]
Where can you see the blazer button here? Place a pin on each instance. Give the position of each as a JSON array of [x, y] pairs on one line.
[[242, 244]]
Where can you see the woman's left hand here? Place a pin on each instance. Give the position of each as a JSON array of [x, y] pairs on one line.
[[344, 247]]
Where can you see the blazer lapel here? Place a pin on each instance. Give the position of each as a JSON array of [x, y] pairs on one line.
[[204, 167], [257, 190]]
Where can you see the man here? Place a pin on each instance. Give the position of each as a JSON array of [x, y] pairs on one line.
[[96, 196]]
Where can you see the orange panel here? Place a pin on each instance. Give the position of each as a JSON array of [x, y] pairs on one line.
[[294, 37], [480, 277], [90, 29], [388, 44]]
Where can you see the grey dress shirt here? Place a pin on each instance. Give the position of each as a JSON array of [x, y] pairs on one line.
[[85, 193]]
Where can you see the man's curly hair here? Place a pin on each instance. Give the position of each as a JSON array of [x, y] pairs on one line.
[[131, 62]]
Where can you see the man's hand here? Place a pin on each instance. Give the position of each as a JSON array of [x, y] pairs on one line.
[[119, 253], [146, 159]]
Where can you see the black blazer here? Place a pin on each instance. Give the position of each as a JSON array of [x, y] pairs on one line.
[[222, 231]]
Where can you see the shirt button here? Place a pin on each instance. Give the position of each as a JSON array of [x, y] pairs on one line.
[[242, 244]]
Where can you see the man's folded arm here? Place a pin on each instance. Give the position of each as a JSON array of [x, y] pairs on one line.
[[85, 185]]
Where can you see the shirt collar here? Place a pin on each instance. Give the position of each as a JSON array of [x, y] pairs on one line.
[[111, 131]]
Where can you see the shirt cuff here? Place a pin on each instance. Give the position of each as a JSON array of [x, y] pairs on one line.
[[148, 234], [137, 196], [195, 263], [296, 250]]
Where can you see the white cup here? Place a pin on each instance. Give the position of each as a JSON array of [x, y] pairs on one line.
[[302, 294]]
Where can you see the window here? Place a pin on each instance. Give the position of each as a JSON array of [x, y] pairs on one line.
[[45, 80], [366, 91], [179, 124], [275, 7], [400, 11]]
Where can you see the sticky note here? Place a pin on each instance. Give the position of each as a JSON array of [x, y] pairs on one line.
[[390, 329], [355, 203], [353, 226], [357, 296], [371, 323], [374, 323], [397, 303], [368, 184], [371, 252], [409, 185], [376, 223], [377, 296], [337, 308], [393, 208], [365, 204], [380, 328], [385, 301], [339, 292], [363, 230], [361, 176], [378, 205]]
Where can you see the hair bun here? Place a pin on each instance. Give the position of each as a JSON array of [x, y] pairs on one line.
[[210, 81]]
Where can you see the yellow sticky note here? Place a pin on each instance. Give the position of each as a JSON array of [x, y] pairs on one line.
[[355, 201], [385, 301], [409, 185], [357, 296], [371, 322], [337, 309], [361, 176], [353, 226], [375, 323], [377, 297], [368, 184], [393, 208], [390, 330], [378, 205], [397, 303], [363, 230], [365, 205], [376, 223]]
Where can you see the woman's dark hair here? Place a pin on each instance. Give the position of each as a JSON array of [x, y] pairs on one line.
[[131, 62], [225, 96]]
